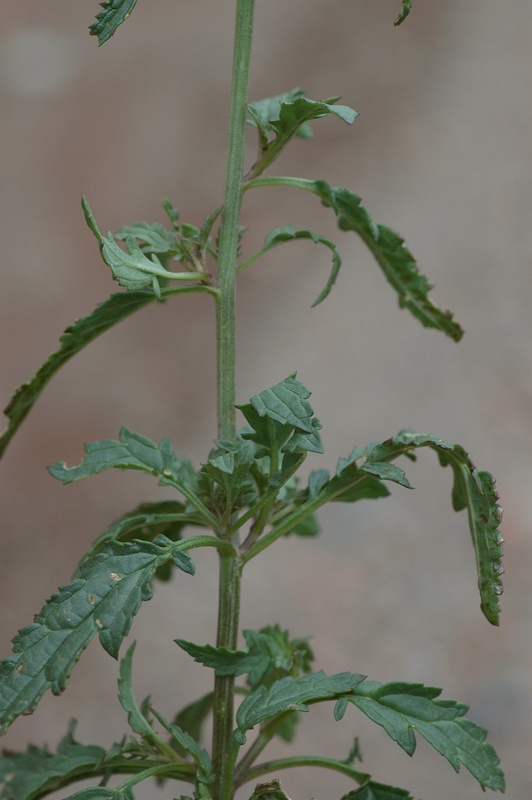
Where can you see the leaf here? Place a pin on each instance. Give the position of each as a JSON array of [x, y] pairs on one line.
[[286, 403], [231, 471], [290, 695], [191, 718], [402, 708], [269, 653], [405, 11], [166, 518], [114, 13], [75, 338], [288, 234], [395, 260], [288, 116], [378, 791], [187, 743], [103, 600], [36, 772], [153, 238], [101, 793], [473, 490], [136, 719], [134, 451]]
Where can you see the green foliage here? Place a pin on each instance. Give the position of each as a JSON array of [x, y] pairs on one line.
[[114, 13], [103, 600], [290, 695], [402, 708], [247, 494]]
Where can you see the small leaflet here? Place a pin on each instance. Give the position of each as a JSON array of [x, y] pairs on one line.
[[114, 13]]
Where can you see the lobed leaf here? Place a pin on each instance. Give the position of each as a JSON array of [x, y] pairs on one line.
[[473, 490], [103, 600], [75, 338], [289, 234], [191, 718], [36, 772], [269, 654], [395, 260], [136, 719], [290, 695], [378, 791], [286, 403], [153, 238], [189, 745], [287, 116], [114, 13], [402, 708]]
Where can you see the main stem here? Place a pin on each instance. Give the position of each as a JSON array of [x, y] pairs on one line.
[[230, 566]]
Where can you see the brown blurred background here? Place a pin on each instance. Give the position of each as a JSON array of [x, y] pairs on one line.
[[442, 153]]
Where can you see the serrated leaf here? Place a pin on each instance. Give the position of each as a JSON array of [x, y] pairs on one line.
[[288, 234], [132, 451], [114, 13], [402, 708], [136, 719], [191, 718], [103, 600], [37, 772], [473, 490], [288, 116], [149, 520], [75, 338], [290, 695], [286, 403], [153, 238], [397, 263], [187, 743], [231, 471], [378, 791], [269, 653], [405, 11]]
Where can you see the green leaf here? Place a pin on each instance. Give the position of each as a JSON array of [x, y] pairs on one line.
[[166, 518], [286, 403], [132, 451], [37, 772], [473, 490], [75, 338], [114, 13], [288, 116], [153, 238], [402, 708], [231, 471], [395, 260], [103, 600], [289, 234], [191, 718], [290, 695], [187, 743], [101, 793], [270, 654], [136, 719], [378, 791], [405, 11]]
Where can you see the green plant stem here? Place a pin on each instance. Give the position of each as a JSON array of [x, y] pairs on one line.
[[224, 686], [229, 230], [285, 181], [230, 567], [304, 761], [262, 740]]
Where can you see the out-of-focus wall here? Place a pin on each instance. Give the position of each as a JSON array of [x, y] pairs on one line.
[[441, 152]]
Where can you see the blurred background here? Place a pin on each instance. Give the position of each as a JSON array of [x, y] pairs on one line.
[[442, 153]]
